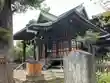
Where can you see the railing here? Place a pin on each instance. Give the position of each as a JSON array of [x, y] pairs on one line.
[[103, 67], [19, 66]]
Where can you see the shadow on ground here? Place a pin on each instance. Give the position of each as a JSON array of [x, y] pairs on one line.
[[57, 80]]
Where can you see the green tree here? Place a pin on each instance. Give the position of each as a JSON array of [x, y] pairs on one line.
[[18, 51], [89, 36], [18, 54], [7, 8], [102, 20]]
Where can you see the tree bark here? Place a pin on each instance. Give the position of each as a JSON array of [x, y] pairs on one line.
[[6, 74]]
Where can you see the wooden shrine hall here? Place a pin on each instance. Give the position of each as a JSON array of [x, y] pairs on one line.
[[56, 37]]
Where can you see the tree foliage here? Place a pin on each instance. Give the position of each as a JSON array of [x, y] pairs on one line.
[[16, 6], [23, 5], [102, 20], [1, 4], [18, 51], [89, 36]]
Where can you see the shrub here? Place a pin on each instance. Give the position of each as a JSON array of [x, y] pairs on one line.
[[103, 78]]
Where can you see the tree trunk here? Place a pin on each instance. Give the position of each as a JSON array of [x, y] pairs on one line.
[[6, 74]]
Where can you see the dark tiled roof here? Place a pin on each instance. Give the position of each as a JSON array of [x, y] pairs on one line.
[[62, 17]]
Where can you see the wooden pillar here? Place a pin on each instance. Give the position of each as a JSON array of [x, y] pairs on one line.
[[45, 49], [69, 37], [70, 46], [57, 47], [45, 45], [90, 49], [24, 51], [34, 51], [37, 53], [40, 47]]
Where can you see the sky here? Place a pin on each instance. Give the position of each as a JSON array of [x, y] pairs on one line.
[[57, 7]]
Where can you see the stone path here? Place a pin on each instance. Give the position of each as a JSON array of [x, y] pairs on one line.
[[20, 75]]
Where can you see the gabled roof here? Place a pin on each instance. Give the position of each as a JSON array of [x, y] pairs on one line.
[[24, 35], [94, 27], [64, 19], [48, 16], [78, 13], [80, 9]]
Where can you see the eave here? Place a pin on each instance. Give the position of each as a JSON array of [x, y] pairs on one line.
[[67, 17]]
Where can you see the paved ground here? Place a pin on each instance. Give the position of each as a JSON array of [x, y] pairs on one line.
[[50, 74], [20, 74]]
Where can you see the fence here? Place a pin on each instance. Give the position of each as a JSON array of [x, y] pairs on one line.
[[103, 65]]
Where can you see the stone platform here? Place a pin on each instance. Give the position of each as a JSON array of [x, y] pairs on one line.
[[49, 76]]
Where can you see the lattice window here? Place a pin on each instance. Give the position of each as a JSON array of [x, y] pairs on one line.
[[66, 47], [60, 48], [75, 44], [54, 49]]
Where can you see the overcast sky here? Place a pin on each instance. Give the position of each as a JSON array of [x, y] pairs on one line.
[[57, 7]]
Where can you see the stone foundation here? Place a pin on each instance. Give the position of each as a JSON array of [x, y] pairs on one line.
[[45, 77]]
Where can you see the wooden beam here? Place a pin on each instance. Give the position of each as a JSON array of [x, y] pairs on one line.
[[45, 44]]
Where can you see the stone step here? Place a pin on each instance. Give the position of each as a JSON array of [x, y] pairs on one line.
[[53, 74]]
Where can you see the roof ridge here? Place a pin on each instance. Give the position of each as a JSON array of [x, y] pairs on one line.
[[42, 11]]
